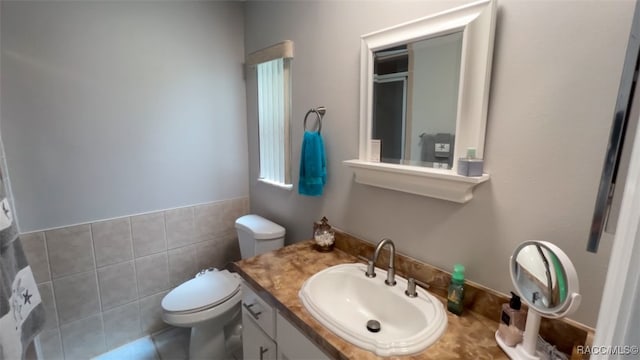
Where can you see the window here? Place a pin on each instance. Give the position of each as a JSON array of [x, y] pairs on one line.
[[273, 66]]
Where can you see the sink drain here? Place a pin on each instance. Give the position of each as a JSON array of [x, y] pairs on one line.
[[373, 326]]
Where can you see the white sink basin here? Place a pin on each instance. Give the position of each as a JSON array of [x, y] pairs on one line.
[[343, 299]]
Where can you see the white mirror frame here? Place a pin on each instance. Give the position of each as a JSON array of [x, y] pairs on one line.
[[477, 22]]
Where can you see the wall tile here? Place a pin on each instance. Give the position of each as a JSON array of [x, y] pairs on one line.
[[208, 220], [151, 313], [233, 209], [51, 345], [197, 238], [246, 205], [112, 241], [121, 325], [148, 234], [70, 250], [117, 284], [34, 248], [83, 339], [180, 229], [46, 293], [76, 296], [152, 273], [209, 254], [229, 248], [182, 265]]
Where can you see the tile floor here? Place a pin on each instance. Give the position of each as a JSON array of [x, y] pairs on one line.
[[171, 344]]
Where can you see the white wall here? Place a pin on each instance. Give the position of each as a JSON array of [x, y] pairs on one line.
[[555, 77], [116, 108]]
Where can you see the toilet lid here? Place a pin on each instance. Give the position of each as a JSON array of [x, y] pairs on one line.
[[205, 291]]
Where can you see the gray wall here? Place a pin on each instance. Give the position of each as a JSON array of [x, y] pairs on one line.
[[118, 108], [555, 76]]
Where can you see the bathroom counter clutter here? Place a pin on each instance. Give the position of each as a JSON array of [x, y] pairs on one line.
[[278, 276]]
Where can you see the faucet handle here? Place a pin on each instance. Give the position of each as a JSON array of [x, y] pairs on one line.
[[411, 287], [371, 272], [371, 269]]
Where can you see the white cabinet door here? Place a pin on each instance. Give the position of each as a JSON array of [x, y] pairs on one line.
[[292, 345], [256, 345]]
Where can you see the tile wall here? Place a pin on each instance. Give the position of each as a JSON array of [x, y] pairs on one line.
[[102, 283]]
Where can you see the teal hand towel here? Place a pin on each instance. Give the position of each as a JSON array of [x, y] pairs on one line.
[[313, 165]]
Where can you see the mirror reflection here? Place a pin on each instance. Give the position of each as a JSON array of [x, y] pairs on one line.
[[415, 101], [540, 277]]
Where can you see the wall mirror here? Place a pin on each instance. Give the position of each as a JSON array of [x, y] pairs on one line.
[[415, 101], [423, 99]]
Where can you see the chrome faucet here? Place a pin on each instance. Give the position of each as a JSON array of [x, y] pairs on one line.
[[391, 272]]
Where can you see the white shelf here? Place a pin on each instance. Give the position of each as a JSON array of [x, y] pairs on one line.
[[435, 183]]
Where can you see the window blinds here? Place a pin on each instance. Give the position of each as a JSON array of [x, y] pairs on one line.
[[273, 115]]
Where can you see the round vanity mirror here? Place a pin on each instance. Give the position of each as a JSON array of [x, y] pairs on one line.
[[547, 281], [545, 277]]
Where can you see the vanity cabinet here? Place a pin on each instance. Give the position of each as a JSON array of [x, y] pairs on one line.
[[266, 335], [292, 345], [255, 343]]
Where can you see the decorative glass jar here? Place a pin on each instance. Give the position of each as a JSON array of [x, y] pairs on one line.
[[323, 235]]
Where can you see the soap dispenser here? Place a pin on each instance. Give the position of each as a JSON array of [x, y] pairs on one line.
[[455, 295], [512, 321]]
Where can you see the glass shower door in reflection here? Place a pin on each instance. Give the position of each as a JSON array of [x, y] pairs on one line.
[[389, 115]]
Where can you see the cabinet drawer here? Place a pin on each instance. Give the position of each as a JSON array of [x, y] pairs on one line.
[[258, 310]]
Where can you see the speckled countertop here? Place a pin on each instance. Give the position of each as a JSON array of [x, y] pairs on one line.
[[278, 276]]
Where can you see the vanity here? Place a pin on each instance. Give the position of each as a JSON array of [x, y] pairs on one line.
[[286, 330]]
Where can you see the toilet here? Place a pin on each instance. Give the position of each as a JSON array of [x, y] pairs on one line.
[[210, 302]]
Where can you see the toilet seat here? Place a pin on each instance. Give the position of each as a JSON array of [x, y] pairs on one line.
[[201, 298]]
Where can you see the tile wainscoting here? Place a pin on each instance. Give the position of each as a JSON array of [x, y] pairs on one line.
[[102, 283]]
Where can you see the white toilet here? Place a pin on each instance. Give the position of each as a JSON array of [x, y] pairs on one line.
[[210, 303]]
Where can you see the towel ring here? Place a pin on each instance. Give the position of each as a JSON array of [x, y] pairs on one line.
[[319, 111]]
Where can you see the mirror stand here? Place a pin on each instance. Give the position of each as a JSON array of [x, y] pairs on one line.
[[527, 349]]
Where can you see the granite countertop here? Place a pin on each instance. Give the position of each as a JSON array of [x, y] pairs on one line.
[[278, 276]]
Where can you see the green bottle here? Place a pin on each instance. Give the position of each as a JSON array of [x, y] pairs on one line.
[[456, 290]]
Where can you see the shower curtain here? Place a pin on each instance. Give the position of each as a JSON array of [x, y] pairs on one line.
[[22, 313]]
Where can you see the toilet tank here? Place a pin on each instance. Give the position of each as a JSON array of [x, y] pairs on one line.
[[258, 235]]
